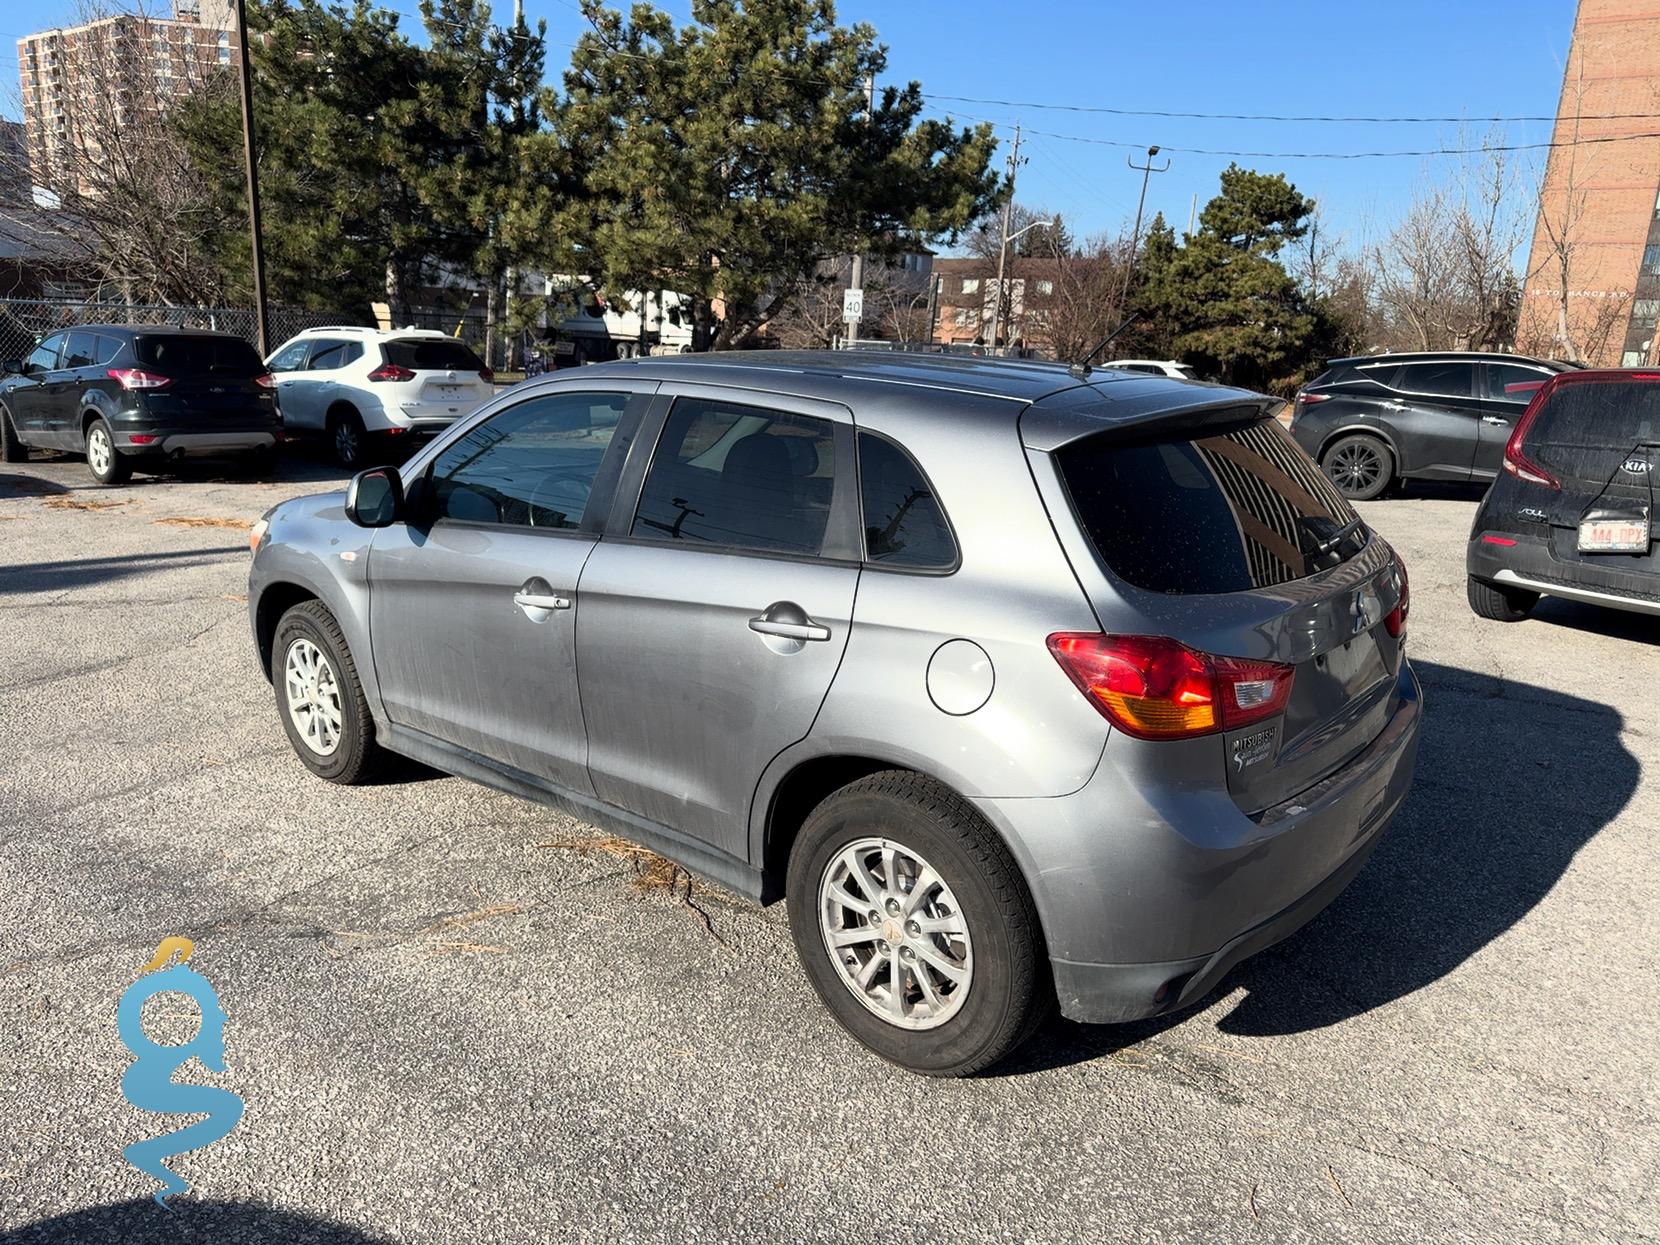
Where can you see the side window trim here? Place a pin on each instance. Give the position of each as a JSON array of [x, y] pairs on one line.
[[1424, 393], [950, 529], [843, 542]]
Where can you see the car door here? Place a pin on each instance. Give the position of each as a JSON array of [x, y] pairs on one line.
[[1435, 414], [473, 602], [65, 386], [319, 386], [27, 399], [1506, 389], [715, 611], [288, 367]]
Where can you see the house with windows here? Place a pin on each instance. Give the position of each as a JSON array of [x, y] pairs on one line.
[[967, 298]]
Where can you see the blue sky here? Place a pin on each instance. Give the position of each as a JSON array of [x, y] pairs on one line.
[[1451, 58]]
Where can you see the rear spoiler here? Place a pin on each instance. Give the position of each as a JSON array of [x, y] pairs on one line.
[[1137, 409]]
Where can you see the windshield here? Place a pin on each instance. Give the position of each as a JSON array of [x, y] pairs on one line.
[[1236, 507], [187, 354], [1585, 427], [433, 354]]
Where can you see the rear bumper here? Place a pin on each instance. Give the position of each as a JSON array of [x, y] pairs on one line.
[[1148, 901], [168, 443], [1530, 564]]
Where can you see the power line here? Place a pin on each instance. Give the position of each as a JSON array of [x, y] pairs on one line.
[[1249, 116]]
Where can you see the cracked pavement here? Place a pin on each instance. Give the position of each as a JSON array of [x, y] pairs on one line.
[[446, 1027]]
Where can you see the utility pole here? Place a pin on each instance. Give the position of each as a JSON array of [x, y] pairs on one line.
[[255, 233], [1135, 234], [857, 279], [1003, 245]]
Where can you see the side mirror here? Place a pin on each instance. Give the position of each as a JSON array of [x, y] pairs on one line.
[[374, 498], [12, 365]]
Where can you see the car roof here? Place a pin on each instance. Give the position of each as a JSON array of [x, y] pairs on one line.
[[334, 330], [1442, 356], [1051, 403], [143, 330]]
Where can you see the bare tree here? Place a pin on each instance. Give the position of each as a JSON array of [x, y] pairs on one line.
[[1445, 276], [1081, 309], [111, 175]]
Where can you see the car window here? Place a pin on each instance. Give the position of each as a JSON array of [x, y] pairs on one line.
[[533, 465], [291, 358], [108, 349], [903, 522], [199, 354], [81, 350], [44, 357], [432, 354], [333, 354], [1501, 374], [747, 477], [1442, 380]]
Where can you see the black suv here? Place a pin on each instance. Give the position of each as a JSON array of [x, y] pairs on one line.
[[118, 393], [1573, 514], [1374, 420]]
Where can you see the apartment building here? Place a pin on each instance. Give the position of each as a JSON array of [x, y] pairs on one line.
[[968, 303], [80, 82], [1592, 290]]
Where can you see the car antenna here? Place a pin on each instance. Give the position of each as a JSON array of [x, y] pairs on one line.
[[1080, 369]]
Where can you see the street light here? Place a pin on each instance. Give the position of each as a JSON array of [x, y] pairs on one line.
[[1002, 259]]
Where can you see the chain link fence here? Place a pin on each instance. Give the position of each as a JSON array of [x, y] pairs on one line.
[[24, 321]]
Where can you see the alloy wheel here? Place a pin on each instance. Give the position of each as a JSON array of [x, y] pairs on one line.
[[345, 441], [100, 454], [313, 696], [1356, 467], [896, 933]]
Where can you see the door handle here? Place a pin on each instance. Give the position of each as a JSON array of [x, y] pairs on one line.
[[540, 601], [789, 630], [1494, 419]]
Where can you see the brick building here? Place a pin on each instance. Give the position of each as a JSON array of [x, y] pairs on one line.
[[968, 302], [1592, 290], [78, 80]]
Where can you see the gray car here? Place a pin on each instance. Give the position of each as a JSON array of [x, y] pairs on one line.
[[1018, 685]]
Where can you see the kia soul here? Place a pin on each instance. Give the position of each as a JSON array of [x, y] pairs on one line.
[[1019, 686]]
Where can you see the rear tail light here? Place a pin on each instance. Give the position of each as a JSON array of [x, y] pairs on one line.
[[1395, 622], [1153, 687], [1516, 461], [144, 438], [487, 376], [266, 381], [1308, 399], [138, 378], [391, 371]]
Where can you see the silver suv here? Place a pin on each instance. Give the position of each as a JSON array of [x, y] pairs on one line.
[[1017, 685]]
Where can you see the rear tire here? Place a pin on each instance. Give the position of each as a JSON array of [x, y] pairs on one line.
[[108, 465], [313, 674], [1360, 465], [12, 450], [1500, 604], [904, 825], [347, 438]]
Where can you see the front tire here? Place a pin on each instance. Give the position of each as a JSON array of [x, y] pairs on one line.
[[1500, 604], [320, 698], [1361, 466], [915, 927], [12, 450], [108, 465]]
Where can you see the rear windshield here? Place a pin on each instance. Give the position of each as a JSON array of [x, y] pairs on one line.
[[1584, 424], [195, 354], [432, 354], [1230, 508]]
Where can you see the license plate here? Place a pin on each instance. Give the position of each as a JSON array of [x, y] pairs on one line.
[[449, 392], [1613, 536]]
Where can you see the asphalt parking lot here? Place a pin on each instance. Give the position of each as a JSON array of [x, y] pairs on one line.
[[453, 1019]]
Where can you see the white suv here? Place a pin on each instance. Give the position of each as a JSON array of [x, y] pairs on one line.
[[356, 383], [1156, 367]]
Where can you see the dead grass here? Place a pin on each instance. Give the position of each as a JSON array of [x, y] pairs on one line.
[[240, 525], [651, 872], [463, 919], [70, 503]]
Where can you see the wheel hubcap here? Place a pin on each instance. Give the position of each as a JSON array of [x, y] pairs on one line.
[[1356, 468], [345, 443], [313, 697], [98, 450], [895, 933]]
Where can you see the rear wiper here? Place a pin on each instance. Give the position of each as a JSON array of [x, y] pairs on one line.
[[1342, 534]]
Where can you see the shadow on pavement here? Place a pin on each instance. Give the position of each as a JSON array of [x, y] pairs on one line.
[[13, 484], [1616, 624], [1512, 781], [218, 1223], [84, 572]]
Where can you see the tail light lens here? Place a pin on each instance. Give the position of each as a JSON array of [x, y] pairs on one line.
[[138, 378], [1516, 461], [1395, 623], [1153, 687], [486, 375], [1309, 399], [391, 371], [266, 381]]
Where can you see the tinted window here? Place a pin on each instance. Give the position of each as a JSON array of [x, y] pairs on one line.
[[1501, 374], [1235, 508], [742, 476], [1587, 428], [904, 525], [531, 466], [432, 354], [1446, 380], [108, 348], [44, 357], [82, 350], [291, 357], [332, 354], [187, 354]]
